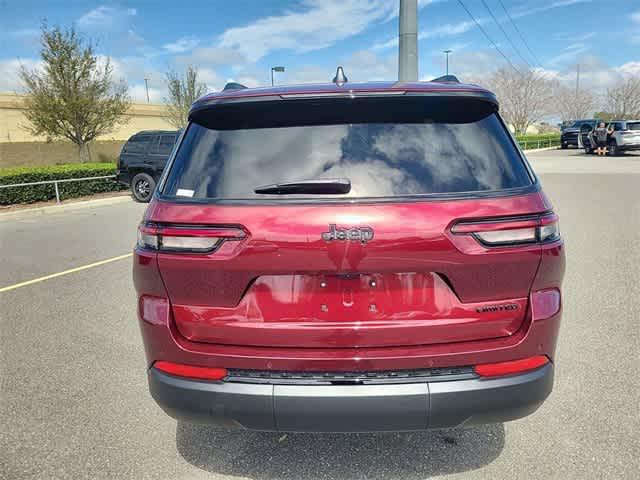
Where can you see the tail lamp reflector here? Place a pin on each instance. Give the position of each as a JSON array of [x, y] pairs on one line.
[[512, 231], [545, 303], [511, 367], [191, 371], [154, 310], [186, 239]]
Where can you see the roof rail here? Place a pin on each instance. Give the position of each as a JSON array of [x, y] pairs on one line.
[[233, 86], [446, 79]]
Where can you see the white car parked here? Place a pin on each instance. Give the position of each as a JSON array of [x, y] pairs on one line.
[[625, 136]]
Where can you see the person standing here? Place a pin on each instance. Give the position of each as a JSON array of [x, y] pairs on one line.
[[601, 133]]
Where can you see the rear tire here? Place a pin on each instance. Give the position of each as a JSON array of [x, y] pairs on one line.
[[564, 146], [614, 151], [142, 187]]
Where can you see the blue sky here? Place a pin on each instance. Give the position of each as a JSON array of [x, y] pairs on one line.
[[242, 39]]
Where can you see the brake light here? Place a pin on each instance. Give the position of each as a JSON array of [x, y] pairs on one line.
[[191, 371], [511, 367], [184, 238], [512, 231]]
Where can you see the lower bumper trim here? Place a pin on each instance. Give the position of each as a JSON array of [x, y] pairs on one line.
[[352, 408]]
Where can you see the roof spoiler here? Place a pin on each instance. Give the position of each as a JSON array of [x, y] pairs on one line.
[[233, 86], [446, 79]]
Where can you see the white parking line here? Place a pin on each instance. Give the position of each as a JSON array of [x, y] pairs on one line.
[[66, 272]]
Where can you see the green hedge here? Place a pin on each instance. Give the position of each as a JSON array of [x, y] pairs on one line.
[[538, 141], [38, 193]]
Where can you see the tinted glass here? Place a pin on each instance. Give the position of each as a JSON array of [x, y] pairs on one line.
[[137, 144], [166, 144], [380, 159], [633, 125]]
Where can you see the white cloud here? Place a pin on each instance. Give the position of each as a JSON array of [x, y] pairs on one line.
[[392, 42], [360, 66], [321, 24], [571, 53], [544, 7], [133, 69], [595, 75], [453, 29], [573, 37], [209, 77], [445, 30], [138, 93], [9, 68], [182, 45], [212, 56], [365, 65], [309, 74], [104, 17], [450, 29], [629, 68]]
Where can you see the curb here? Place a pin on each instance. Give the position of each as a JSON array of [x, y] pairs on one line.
[[65, 207], [540, 149]]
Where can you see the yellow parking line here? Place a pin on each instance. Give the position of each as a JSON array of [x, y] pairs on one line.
[[66, 272]]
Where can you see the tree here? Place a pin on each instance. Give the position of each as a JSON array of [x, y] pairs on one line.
[[623, 100], [183, 91], [604, 116], [572, 106], [73, 95], [524, 98]]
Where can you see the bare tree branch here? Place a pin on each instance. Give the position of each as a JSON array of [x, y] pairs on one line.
[[524, 99], [623, 100], [571, 106]]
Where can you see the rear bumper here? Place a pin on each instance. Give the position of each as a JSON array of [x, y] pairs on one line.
[[352, 408]]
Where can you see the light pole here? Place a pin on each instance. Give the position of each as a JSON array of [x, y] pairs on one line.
[[146, 86], [447, 52], [408, 41], [275, 69]]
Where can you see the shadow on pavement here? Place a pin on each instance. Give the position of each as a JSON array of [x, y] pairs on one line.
[[407, 456]]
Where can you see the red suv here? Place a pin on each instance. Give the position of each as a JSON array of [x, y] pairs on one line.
[[349, 257]]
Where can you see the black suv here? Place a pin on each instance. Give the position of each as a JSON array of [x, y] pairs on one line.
[[142, 160], [569, 135]]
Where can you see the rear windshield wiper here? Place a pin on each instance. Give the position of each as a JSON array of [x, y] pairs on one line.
[[320, 186]]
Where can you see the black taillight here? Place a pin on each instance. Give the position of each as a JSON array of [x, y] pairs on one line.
[[201, 239], [511, 231]]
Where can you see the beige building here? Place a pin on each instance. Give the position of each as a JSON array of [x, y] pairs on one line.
[[18, 147], [141, 116]]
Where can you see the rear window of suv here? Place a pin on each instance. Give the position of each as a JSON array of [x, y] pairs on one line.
[[429, 153]]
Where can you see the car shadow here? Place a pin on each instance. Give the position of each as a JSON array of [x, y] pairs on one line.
[[298, 456]]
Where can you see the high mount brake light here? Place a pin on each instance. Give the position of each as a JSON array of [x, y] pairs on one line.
[[512, 231], [186, 239]]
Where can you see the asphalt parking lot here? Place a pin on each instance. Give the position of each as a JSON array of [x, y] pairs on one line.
[[74, 400]]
